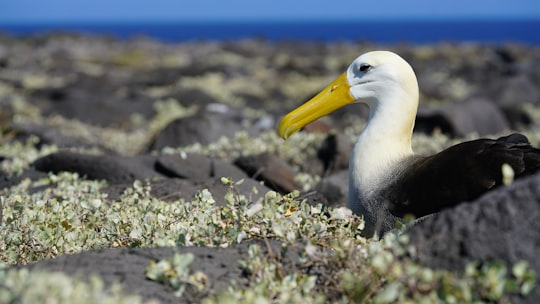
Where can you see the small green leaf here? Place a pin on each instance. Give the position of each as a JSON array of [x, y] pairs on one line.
[[520, 269], [389, 294]]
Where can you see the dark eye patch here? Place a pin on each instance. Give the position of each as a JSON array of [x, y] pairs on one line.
[[365, 67]]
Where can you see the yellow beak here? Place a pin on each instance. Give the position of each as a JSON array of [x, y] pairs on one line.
[[333, 97]]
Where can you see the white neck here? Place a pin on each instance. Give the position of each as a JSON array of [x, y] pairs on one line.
[[385, 141]]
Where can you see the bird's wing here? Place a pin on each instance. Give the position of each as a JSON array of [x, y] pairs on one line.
[[461, 173]]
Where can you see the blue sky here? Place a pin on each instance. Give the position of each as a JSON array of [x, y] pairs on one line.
[[204, 10]]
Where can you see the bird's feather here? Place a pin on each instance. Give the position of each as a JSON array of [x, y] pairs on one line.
[[460, 173]]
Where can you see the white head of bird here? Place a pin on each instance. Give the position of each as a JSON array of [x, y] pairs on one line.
[[387, 83], [380, 79]]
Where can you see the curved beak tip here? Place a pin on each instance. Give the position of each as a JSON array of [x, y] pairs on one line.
[[334, 96], [285, 130]]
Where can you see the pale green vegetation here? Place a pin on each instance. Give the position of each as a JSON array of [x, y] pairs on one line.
[[71, 216], [22, 286]]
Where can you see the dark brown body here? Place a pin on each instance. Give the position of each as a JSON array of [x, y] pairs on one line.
[[458, 174]]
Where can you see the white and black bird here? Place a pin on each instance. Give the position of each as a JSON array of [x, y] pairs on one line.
[[387, 180]]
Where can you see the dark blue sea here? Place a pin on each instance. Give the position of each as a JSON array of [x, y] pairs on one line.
[[417, 32]]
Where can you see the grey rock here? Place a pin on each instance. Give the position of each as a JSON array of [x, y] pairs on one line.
[[335, 188], [189, 166], [114, 169], [225, 169], [477, 115], [516, 90], [503, 225], [94, 100], [202, 128], [127, 267], [267, 167], [46, 135]]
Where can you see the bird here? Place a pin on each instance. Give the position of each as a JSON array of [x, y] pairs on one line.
[[387, 180]]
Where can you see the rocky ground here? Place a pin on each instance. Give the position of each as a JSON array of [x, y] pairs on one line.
[[107, 147]]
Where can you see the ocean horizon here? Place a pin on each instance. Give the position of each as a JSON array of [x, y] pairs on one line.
[[386, 31]]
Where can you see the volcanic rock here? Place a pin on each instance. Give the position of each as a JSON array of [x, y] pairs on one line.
[[503, 225], [268, 168]]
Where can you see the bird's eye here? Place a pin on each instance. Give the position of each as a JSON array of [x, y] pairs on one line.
[[365, 67]]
